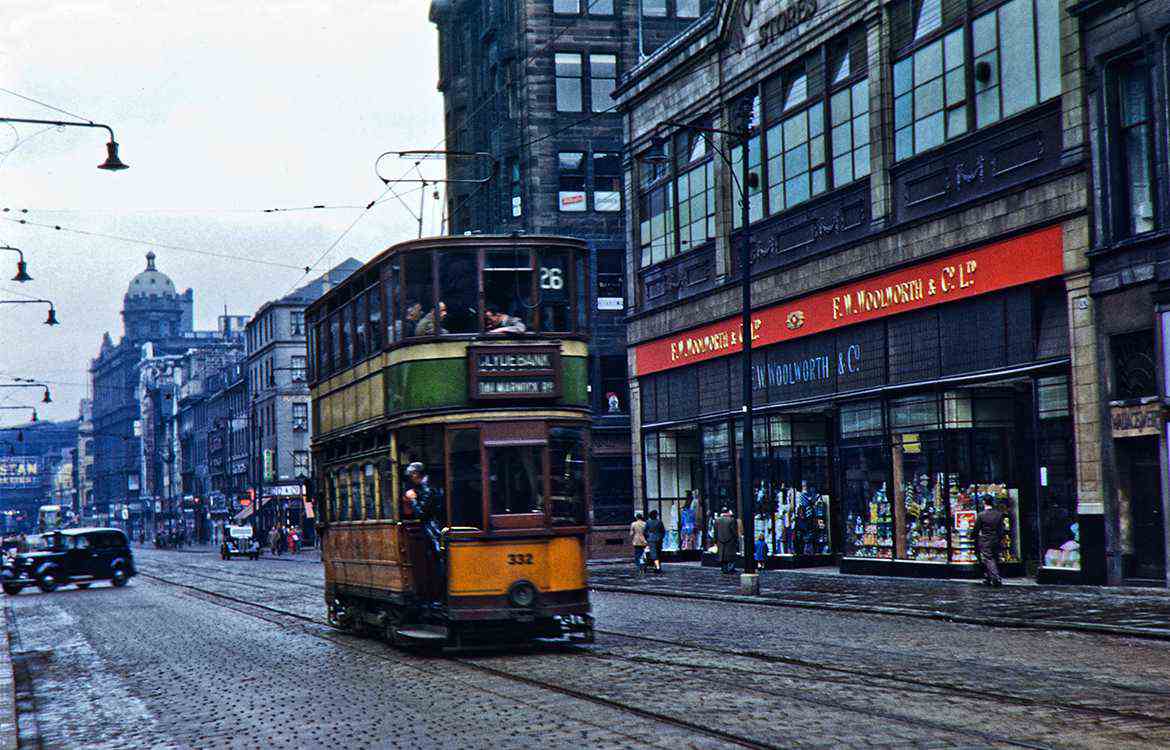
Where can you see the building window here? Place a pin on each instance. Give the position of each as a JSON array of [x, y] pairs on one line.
[[602, 80], [298, 368], [570, 7], [656, 208], [1135, 372], [796, 158], [1133, 153], [300, 416], [607, 181], [849, 119], [611, 279], [654, 8], [514, 189], [600, 7], [1014, 63], [297, 322], [694, 190], [301, 467], [568, 75], [614, 385], [687, 8], [571, 174]]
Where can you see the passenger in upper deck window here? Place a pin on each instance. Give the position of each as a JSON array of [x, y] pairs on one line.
[[404, 328], [501, 322], [426, 326]]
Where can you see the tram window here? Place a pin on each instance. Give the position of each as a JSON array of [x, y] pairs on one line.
[[553, 289], [335, 341], [459, 291], [393, 315], [342, 481], [507, 291], [516, 476], [360, 327], [346, 336], [369, 494], [567, 467], [374, 307], [466, 479], [418, 297], [423, 444]]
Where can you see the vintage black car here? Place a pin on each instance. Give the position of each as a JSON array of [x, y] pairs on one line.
[[79, 556]]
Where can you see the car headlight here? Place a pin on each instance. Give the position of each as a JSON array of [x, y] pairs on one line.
[[522, 594]]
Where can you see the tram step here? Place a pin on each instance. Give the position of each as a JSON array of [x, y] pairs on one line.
[[423, 633]]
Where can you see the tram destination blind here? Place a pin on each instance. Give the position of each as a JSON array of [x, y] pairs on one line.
[[508, 373]]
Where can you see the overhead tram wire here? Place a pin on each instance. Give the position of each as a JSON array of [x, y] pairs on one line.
[[45, 104]]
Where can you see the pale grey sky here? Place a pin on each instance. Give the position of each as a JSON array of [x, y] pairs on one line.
[[222, 109]]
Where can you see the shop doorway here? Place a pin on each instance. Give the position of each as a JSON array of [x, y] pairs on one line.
[[1139, 494]]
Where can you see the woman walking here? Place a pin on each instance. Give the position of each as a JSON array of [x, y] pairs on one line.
[[655, 533], [638, 539]]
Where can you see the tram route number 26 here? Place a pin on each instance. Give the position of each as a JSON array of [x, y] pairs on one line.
[[552, 278], [520, 558]]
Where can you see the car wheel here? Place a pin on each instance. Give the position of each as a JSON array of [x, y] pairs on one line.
[[12, 589], [48, 581], [120, 578], [83, 585]]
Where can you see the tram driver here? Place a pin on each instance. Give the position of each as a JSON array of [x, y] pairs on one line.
[[425, 505]]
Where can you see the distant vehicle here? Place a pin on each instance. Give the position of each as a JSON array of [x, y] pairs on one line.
[[79, 556], [239, 543], [50, 517]]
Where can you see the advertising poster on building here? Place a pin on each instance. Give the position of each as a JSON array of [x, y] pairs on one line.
[[20, 472]]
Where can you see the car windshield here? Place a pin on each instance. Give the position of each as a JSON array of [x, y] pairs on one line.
[[44, 542]]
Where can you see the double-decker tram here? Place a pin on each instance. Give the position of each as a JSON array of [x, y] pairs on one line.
[[451, 441]]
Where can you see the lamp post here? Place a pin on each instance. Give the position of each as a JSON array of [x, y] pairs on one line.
[[21, 269], [46, 399], [51, 320], [747, 508], [34, 411], [112, 162]]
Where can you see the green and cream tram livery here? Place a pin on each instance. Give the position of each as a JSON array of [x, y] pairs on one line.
[[467, 356]]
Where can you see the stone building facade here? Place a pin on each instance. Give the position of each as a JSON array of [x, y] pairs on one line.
[[1126, 48], [923, 333], [529, 82]]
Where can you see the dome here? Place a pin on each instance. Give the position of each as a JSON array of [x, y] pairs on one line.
[[151, 282]]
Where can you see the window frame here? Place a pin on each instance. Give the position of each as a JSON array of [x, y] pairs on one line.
[[579, 78], [593, 104], [1118, 170], [562, 175]]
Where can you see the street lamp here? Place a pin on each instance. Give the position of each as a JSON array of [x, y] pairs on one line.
[[49, 321], [33, 410], [21, 269], [112, 162], [741, 115], [46, 399]]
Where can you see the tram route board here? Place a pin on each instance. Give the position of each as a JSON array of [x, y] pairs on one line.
[[514, 372]]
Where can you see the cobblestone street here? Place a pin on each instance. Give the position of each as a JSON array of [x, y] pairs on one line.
[[198, 652]]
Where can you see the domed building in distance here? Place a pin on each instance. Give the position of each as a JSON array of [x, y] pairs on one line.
[[152, 308]]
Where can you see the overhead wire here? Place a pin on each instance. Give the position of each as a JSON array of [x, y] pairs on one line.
[[45, 104]]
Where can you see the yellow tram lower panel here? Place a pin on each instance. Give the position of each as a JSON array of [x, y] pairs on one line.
[[491, 567]]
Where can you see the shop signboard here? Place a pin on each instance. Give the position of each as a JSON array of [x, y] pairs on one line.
[[1139, 420], [269, 467], [20, 472], [1021, 260], [508, 373]]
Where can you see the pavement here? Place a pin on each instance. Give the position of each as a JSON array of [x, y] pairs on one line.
[[9, 733], [1133, 612]]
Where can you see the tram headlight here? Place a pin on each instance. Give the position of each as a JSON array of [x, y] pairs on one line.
[[522, 594]]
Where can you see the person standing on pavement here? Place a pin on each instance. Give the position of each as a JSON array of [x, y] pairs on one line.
[[638, 539], [727, 539], [989, 541], [761, 552], [274, 540], [655, 533]]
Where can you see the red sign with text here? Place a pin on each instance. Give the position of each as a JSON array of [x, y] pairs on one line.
[[1020, 260]]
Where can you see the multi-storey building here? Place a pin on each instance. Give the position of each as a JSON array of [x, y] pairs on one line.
[[530, 82], [30, 456], [85, 459], [227, 442], [906, 185], [275, 371], [1127, 56]]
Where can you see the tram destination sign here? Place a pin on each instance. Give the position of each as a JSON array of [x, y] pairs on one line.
[[514, 372]]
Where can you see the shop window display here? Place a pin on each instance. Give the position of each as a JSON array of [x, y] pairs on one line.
[[791, 496], [864, 461], [672, 471], [718, 479], [1059, 528], [917, 461]]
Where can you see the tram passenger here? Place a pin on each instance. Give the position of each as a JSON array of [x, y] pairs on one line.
[[426, 326], [501, 322], [404, 328]]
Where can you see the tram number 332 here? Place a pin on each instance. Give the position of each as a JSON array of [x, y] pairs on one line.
[[522, 558], [552, 278]]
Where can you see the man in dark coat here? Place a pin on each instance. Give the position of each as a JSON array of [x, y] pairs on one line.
[[727, 539], [989, 541]]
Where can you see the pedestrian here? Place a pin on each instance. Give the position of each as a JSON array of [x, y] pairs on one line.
[[989, 540], [638, 539], [274, 540], [761, 551], [727, 539], [655, 533]]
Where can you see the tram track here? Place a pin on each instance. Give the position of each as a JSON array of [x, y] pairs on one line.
[[869, 677], [281, 618]]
